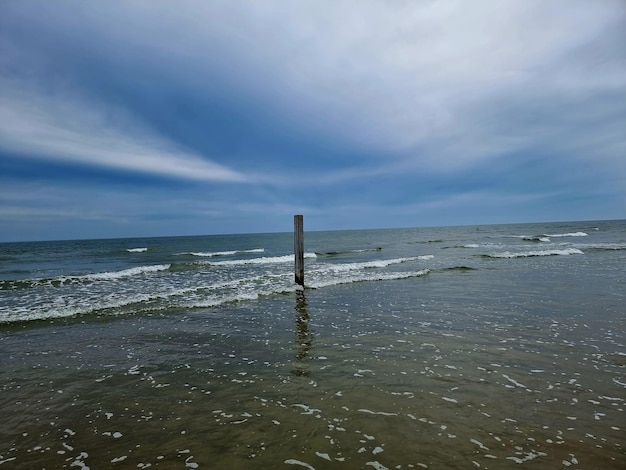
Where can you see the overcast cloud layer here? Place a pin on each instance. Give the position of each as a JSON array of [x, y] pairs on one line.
[[162, 118]]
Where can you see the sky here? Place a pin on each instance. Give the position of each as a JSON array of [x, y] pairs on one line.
[[161, 118]]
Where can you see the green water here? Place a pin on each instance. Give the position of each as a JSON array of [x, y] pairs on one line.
[[335, 378]]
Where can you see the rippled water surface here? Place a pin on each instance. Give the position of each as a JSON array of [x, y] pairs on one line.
[[483, 361]]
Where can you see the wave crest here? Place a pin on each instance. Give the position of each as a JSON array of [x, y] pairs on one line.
[[528, 254], [571, 234], [211, 254]]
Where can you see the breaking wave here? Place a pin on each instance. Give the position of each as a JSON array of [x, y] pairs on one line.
[[528, 254], [262, 260], [346, 252], [571, 234], [11, 284], [211, 254]]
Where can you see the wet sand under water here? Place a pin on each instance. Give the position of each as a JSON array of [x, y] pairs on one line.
[[324, 379]]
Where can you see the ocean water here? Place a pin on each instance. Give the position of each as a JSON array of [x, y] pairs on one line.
[[459, 347]]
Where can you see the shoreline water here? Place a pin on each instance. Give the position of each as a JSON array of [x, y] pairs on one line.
[[514, 361]]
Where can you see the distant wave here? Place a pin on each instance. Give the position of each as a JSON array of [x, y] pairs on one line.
[[262, 260], [483, 245], [383, 263], [527, 254], [573, 234], [545, 237], [222, 253], [137, 250], [337, 253]]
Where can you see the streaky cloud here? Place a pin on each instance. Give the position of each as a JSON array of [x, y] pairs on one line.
[[66, 126]]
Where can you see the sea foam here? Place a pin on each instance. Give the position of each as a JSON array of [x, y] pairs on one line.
[[261, 260], [571, 234], [112, 275], [527, 254], [211, 254]]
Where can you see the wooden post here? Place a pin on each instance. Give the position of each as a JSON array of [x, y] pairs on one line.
[[298, 247]]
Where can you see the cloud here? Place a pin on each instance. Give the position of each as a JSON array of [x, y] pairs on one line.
[[65, 126], [427, 86], [434, 84], [402, 74]]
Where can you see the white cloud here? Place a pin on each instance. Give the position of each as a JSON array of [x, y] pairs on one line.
[[66, 126], [441, 77]]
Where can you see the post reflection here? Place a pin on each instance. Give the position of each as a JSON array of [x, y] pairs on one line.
[[304, 337]]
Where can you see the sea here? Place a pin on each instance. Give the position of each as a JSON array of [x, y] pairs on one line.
[[491, 346]]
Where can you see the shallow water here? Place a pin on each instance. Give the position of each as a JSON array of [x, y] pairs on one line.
[[313, 379]]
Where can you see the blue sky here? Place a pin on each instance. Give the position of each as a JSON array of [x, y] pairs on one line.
[[150, 118]]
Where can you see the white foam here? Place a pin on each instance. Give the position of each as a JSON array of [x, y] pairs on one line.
[[527, 254], [298, 462], [377, 465], [383, 413], [383, 263], [479, 444], [307, 409], [612, 398], [113, 275], [572, 234], [223, 253], [619, 383], [323, 456], [515, 382], [137, 250], [261, 260]]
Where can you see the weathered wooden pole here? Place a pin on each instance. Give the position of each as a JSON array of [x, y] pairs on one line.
[[298, 248]]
